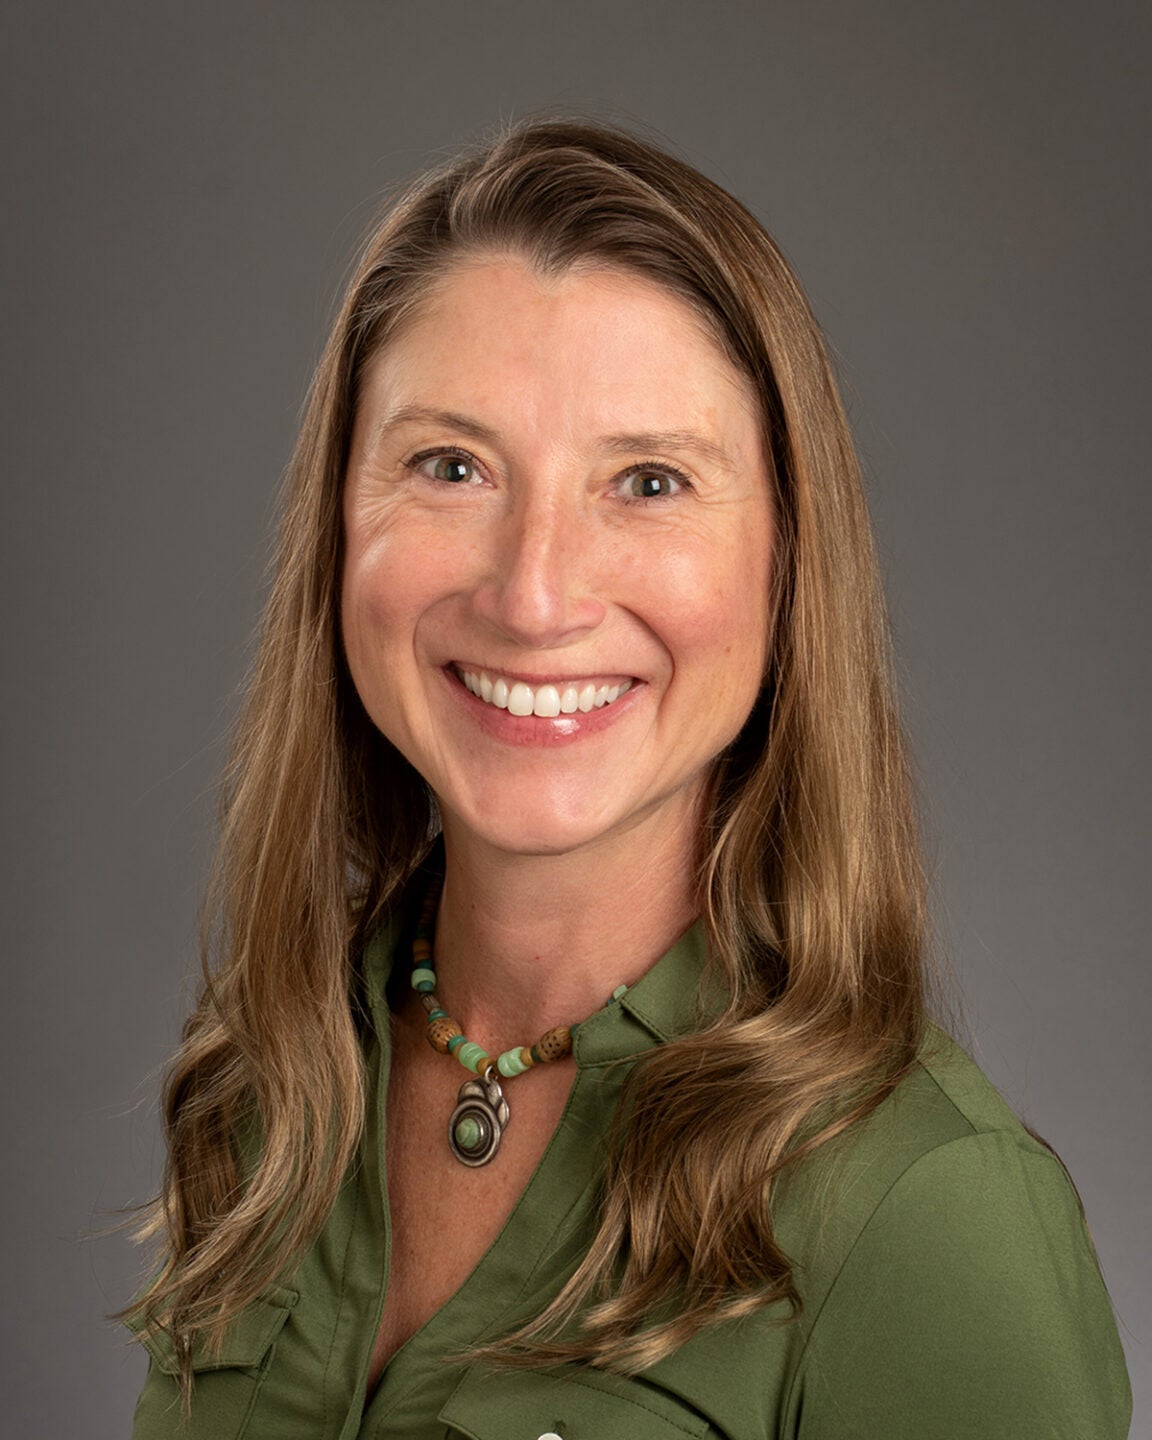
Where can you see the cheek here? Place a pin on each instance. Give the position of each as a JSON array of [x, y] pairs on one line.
[[398, 585], [384, 564], [373, 613], [718, 611]]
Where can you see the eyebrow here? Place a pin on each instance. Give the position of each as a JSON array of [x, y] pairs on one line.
[[406, 414], [625, 443], [669, 440]]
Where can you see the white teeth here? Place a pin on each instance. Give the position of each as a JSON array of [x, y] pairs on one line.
[[545, 701], [547, 704], [520, 700]]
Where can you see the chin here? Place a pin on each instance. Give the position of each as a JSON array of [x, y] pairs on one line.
[[553, 834]]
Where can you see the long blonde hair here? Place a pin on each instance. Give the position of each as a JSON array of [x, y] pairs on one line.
[[811, 885]]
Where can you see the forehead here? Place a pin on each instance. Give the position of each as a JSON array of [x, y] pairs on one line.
[[597, 345], [521, 288]]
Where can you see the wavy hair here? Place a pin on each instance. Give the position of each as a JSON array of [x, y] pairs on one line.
[[811, 884]]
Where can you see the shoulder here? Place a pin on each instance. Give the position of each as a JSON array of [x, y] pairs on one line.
[[943, 1113], [950, 1274]]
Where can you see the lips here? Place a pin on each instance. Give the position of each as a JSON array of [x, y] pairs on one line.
[[546, 700]]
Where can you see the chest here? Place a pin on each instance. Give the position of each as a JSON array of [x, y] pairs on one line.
[[446, 1215]]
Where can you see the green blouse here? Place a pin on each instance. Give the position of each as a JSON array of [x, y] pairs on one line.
[[949, 1286]]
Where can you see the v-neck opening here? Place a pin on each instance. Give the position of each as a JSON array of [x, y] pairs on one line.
[[387, 1395]]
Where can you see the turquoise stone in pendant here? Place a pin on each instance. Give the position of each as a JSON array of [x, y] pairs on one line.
[[469, 1133]]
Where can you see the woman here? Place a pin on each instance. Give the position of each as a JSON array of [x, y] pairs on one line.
[[571, 748]]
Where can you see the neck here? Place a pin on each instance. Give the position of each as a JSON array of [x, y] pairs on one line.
[[525, 942]]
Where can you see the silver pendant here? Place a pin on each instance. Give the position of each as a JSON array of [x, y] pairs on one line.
[[478, 1121]]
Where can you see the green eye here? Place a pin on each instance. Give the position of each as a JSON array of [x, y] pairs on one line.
[[451, 469], [652, 484], [649, 486]]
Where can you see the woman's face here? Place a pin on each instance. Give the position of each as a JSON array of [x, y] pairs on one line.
[[558, 550]]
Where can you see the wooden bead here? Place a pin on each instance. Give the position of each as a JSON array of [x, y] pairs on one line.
[[554, 1043], [440, 1032]]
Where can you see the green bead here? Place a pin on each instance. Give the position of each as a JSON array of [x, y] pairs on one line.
[[437, 1014], [471, 1056], [510, 1064], [468, 1132], [455, 1043], [620, 990], [423, 978]]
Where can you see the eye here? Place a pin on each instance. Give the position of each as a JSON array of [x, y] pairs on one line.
[[450, 467], [652, 482]]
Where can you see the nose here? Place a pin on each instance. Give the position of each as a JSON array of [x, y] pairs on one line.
[[540, 589]]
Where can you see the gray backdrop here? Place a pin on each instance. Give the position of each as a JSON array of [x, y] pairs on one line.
[[964, 189]]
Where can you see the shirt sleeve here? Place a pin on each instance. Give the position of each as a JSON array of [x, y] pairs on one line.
[[971, 1305]]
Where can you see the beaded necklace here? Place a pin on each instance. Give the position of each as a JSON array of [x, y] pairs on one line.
[[481, 1114]]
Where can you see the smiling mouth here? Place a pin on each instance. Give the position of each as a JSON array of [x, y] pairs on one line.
[[547, 700]]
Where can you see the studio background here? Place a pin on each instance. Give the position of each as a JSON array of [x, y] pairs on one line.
[[963, 190]]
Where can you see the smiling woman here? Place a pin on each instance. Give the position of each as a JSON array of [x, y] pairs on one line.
[[564, 1065], [496, 525]]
